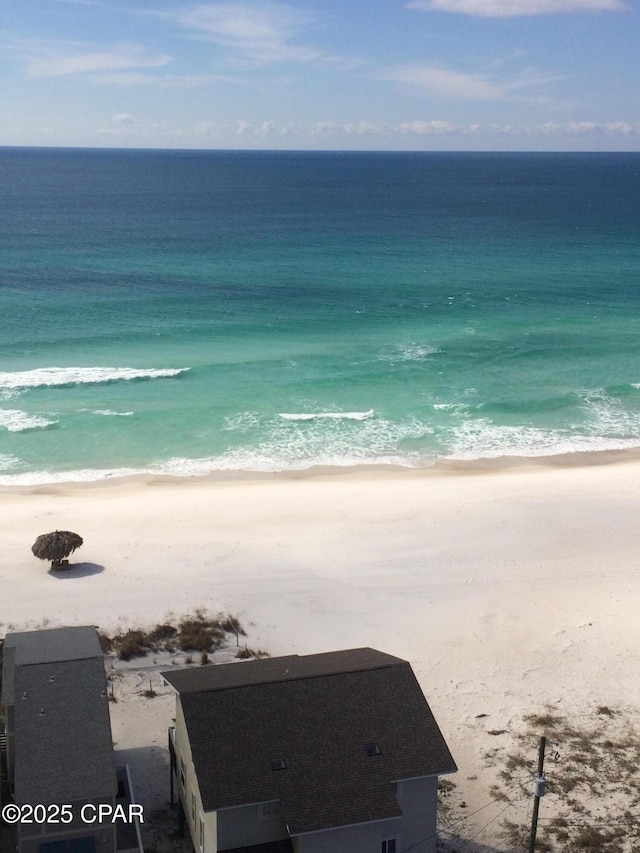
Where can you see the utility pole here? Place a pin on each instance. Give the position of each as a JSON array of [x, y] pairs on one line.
[[541, 785]]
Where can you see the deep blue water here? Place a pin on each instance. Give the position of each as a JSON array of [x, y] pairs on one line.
[[192, 311]]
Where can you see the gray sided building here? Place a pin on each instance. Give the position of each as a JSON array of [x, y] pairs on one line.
[[58, 731], [309, 754]]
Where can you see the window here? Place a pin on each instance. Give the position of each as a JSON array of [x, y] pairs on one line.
[[271, 809], [372, 748], [183, 771], [193, 808], [201, 833], [278, 763], [389, 845]]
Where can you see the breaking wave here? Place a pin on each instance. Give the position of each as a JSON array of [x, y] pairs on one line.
[[13, 420], [65, 376], [338, 416]]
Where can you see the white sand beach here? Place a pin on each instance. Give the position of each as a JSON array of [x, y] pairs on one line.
[[508, 588]]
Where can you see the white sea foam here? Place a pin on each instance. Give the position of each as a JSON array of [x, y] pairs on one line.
[[8, 462], [481, 438], [607, 415], [254, 461], [287, 445], [13, 420], [109, 414], [242, 422], [451, 407], [60, 376], [605, 424], [88, 475], [408, 352], [291, 444], [299, 444], [338, 416]]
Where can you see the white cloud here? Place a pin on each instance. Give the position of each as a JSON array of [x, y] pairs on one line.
[[514, 8], [622, 128], [260, 32], [447, 83], [247, 128], [123, 118], [118, 65], [442, 127], [528, 85], [265, 128], [419, 133], [351, 128], [366, 128], [293, 129], [532, 77], [429, 128], [44, 59], [207, 128], [587, 128]]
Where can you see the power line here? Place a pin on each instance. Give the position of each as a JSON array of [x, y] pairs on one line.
[[482, 829], [500, 799]]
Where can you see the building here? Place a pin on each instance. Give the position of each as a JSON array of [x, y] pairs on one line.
[[59, 749], [310, 754]]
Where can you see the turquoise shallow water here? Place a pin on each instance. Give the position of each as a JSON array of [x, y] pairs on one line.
[[194, 311]]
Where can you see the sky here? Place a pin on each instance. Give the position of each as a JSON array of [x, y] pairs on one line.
[[547, 75]]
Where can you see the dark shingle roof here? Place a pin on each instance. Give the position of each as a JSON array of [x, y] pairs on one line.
[[8, 662], [266, 670], [316, 712], [35, 647], [55, 644], [63, 745]]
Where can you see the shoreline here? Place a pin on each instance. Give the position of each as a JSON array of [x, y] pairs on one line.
[[439, 468]]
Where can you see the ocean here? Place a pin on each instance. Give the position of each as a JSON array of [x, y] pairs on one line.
[[186, 312]]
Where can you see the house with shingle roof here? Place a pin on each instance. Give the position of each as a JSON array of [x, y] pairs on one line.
[[59, 748], [327, 752]]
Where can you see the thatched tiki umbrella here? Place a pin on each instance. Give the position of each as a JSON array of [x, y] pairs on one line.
[[56, 546]]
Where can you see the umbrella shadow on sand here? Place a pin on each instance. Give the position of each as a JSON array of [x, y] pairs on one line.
[[76, 570]]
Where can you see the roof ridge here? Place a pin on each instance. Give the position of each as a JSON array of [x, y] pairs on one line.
[[279, 670], [300, 677]]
